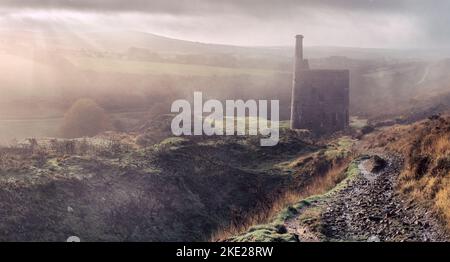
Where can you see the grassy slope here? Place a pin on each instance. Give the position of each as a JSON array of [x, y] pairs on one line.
[[146, 67], [179, 189], [273, 231], [323, 187], [426, 149]]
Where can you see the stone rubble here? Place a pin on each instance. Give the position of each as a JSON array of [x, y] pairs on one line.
[[369, 209]]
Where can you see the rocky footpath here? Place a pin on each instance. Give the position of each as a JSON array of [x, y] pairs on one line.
[[369, 209]]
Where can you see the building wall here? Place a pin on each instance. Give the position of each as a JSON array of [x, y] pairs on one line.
[[320, 100]]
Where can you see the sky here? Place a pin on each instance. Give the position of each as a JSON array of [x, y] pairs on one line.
[[356, 23]]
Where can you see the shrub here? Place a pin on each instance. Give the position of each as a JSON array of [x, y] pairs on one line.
[[85, 118]]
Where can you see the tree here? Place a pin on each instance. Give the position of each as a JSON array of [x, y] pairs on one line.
[[85, 118]]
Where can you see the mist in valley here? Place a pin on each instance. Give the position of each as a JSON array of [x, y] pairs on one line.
[[45, 72]]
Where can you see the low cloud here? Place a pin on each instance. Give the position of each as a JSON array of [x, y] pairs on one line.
[[251, 7], [382, 23]]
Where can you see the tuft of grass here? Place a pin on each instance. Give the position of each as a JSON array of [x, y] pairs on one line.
[[358, 123], [341, 148], [264, 233]]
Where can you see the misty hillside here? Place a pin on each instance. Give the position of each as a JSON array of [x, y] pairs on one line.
[[120, 41], [45, 72]]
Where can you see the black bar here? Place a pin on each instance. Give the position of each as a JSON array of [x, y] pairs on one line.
[[225, 251]]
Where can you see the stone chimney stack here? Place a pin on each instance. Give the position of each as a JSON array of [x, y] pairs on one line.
[[299, 48], [300, 63]]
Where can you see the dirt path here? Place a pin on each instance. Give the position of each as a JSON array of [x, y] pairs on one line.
[[367, 209]]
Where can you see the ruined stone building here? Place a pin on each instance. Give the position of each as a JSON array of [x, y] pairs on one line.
[[320, 98]]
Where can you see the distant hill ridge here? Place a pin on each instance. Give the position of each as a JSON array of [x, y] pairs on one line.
[[122, 40]]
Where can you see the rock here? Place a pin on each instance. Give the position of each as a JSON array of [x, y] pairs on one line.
[[376, 164], [367, 129], [281, 229], [73, 239], [434, 117], [375, 218], [373, 239]]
